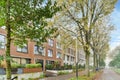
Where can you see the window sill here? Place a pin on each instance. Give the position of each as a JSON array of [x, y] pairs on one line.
[[39, 54], [23, 52]]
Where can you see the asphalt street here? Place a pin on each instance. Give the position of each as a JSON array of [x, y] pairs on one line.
[[109, 74]]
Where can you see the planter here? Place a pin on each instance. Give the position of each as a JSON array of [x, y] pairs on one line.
[[52, 73], [32, 70], [20, 70]]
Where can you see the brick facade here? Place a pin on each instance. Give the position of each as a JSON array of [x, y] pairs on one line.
[[29, 56]]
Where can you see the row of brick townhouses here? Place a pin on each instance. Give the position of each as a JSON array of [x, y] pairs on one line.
[[50, 52]]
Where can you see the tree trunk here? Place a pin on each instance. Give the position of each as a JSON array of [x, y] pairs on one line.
[[87, 63], [94, 64], [8, 57], [97, 56], [77, 70], [99, 61]]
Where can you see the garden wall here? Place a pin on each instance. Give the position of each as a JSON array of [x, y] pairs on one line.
[[23, 76], [22, 73]]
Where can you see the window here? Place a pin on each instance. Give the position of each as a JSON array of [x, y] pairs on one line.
[[49, 62], [2, 42], [58, 55], [67, 58], [58, 45], [50, 53], [68, 50], [21, 60], [39, 50], [3, 27], [72, 58], [71, 51], [22, 49], [16, 60], [50, 42], [28, 61], [64, 57]]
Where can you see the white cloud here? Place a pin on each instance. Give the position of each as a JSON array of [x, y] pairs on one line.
[[114, 44]]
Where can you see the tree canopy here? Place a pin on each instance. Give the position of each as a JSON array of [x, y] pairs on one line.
[[80, 17], [115, 62], [26, 20]]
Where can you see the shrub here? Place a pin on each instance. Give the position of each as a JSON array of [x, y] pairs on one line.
[[49, 66], [66, 66], [22, 79], [30, 79], [16, 65], [84, 77], [62, 72], [42, 76], [2, 64], [81, 66], [74, 68], [33, 65]]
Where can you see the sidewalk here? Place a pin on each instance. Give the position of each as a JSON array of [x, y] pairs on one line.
[[64, 77]]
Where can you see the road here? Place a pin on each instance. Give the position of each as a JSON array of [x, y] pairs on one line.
[[109, 74]]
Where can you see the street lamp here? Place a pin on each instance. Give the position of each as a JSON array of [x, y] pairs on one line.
[[76, 60], [75, 37]]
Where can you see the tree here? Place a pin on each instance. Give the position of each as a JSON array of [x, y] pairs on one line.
[[79, 18], [114, 55], [70, 41], [116, 61], [102, 63], [25, 20], [114, 52], [100, 40]]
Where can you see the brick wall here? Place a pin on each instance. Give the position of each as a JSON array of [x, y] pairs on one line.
[[30, 54]]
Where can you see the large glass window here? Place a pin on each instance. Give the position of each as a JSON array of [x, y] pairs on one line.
[[49, 62], [22, 60], [2, 41], [50, 53], [24, 48], [39, 50], [28, 61], [51, 42], [58, 55]]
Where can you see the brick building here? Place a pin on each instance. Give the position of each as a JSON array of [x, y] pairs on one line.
[[48, 53], [31, 53]]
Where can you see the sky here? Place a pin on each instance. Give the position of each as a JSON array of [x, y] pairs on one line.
[[115, 35], [115, 19]]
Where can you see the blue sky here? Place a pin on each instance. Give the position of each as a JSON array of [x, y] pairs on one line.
[[115, 19]]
